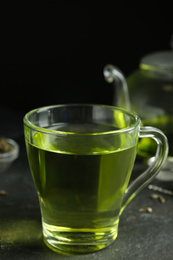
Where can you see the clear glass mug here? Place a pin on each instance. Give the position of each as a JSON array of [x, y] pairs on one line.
[[81, 158]]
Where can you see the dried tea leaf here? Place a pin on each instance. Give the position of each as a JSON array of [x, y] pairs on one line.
[[147, 210], [3, 193], [5, 147], [158, 196]]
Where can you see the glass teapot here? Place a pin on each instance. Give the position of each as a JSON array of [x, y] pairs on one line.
[[148, 92]]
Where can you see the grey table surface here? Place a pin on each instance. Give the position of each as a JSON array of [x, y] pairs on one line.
[[141, 235]]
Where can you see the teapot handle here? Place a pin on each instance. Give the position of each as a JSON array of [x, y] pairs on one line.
[[121, 94]]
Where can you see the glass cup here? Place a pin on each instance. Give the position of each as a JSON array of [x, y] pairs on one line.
[[81, 157]]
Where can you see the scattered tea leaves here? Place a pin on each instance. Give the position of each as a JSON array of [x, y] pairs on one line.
[[158, 197], [3, 193], [146, 210]]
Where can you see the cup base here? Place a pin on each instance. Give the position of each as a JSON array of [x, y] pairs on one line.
[[78, 242]]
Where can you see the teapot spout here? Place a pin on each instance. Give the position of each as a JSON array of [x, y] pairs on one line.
[[121, 93]]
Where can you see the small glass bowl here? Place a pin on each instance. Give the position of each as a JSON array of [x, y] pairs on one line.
[[7, 158]]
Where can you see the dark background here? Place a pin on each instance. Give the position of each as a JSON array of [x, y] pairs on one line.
[[54, 51]]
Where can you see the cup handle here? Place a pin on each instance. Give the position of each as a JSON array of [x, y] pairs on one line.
[[150, 173]]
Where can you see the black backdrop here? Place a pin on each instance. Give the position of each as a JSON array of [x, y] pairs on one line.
[[54, 51]]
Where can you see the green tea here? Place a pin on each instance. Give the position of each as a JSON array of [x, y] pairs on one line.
[[80, 193]]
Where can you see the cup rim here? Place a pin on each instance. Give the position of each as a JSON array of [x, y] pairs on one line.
[[32, 126]]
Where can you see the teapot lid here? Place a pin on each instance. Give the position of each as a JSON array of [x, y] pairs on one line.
[[162, 61]]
